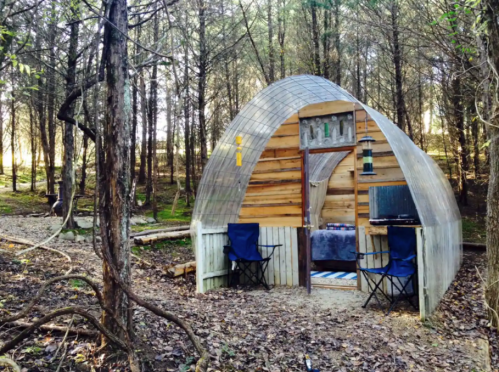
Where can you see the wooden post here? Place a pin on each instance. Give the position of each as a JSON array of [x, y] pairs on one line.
[[421, 273], [199, 258], [302, 257]]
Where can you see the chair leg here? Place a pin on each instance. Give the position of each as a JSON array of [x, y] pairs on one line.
[[402, 293], [374, 290], [263, 267]]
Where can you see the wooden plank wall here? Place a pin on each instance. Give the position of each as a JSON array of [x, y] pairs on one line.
[[339, 206], [274, 194], [212, 263], [386, 166]]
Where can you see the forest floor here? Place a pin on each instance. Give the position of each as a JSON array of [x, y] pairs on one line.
[[243, 330]]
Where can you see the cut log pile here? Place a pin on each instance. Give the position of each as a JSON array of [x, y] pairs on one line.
[[181, 269], [160, 236]]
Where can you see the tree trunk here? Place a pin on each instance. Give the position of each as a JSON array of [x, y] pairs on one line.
[[69, 145], [187, 132], [153, 108], [397, 63], [1, 134], [169, 133], [315, 39], [49, 157], [203, 61], [13, 141], [135, 114], [282, 35], [337, 42], [143, 148], [271, 41], [115, 182], [84, 161], [492, 289], [150, 136], [458, 115], [32, 133], [193, 153], [326, 41]]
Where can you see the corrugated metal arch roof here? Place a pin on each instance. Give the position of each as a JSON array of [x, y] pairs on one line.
[[223, 184]]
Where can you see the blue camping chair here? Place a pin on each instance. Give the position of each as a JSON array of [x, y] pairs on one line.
[[243, 251], [402, 244]]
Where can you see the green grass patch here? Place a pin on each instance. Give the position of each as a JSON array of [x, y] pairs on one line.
[[5, 209], [76, 283], [474, 229], [169, 245], [182, 212]]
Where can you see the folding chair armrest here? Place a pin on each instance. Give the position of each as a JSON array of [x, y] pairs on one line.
[[361, 254], [410, 258], [270, 246]]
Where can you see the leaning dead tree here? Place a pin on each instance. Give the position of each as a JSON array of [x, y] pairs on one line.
[[114, 183]]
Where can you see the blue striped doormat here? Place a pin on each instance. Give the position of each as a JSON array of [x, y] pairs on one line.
[[333, 275]]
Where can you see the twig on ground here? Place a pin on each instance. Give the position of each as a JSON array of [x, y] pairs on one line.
[[142, 260], [62, 358], [203, 361], [62, 343], [34, 246], [55, 328], [9, 345], [33, 302], [9, 362]]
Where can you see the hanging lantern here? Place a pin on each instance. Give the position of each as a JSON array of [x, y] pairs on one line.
[[239, 155], [367, 155]]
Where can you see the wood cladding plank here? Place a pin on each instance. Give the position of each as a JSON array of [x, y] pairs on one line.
[[361, 126], [256, 205], [286, 142], [292, 119], [290, 129], [293, 221], [276, 176], [340, 198], [347, 204], [277, 169], [360, 116], [286, 210], [326, 108], [278, 164], [281, 153], [385, 174], [275, 189], [274, 182], [275, 199], [341, 191]]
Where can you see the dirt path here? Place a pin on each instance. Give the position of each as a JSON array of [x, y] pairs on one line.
[[255, 330]]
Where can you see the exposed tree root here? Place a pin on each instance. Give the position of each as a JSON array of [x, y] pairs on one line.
[[54, 328], [35, 246], [202, 364], [49, 282], [9, 345], [4, 361]]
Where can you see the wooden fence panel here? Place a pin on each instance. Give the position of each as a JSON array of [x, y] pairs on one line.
[[212, 264]]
